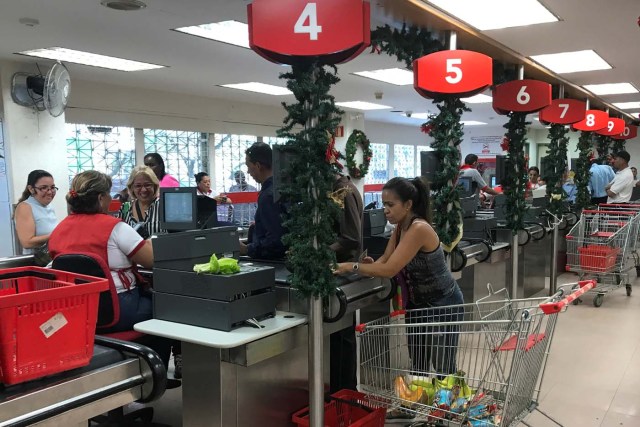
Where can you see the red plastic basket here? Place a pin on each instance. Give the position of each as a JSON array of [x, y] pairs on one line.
[[348, 409], [598, 258], [47, 321]]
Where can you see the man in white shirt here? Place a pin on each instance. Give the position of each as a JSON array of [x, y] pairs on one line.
[[619, 190], [469, 170]]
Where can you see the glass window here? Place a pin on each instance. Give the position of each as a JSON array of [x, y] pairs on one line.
[[404, 161], [379, 166], [185, 153], [229, 158], [108, 149]]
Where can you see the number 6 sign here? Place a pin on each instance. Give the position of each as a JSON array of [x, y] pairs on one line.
[[524, 96], [452, 72], [285, 31]]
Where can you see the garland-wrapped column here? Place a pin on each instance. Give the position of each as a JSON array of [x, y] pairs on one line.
[[557, 161], [583, 197], [515, 183], [603, 145], [618, 145]]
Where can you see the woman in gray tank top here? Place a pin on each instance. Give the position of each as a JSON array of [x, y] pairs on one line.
[[414, 253], [34, 216]]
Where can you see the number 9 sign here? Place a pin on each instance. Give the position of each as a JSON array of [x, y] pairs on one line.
[[285, 31], [614, 127], [524, 96], [452, 72]]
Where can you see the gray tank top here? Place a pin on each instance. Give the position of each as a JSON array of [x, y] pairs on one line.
[[44, 217], [428, 276]]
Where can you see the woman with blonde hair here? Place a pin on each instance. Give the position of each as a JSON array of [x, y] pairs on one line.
[[142, 212]]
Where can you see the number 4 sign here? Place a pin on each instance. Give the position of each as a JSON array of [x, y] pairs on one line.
[[524, 96], [287, 31]]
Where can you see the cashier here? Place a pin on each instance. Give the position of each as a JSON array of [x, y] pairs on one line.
[[469, 169], [265, 241]]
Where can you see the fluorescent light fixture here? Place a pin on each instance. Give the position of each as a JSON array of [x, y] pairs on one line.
[[495, 14], [419, 116], [611, 88], [478, 99], [232, 32], [627, 105], [260, 88], [395, 76], [472, 123], [91, 59], [572, 62], [362, 105]]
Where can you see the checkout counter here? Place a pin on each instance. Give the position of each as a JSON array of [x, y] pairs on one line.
[[256, 372]]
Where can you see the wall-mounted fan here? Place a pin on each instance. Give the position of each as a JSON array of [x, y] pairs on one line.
[[50, 92]]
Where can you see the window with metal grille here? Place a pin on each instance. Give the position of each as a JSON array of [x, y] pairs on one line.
[[378, 172], [108, 149], [184, 153], [404, 161]]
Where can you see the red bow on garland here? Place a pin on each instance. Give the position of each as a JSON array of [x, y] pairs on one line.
[[426, 128], [332, 155], [505, 144]]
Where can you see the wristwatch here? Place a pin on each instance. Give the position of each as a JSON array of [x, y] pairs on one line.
[[356, 266]]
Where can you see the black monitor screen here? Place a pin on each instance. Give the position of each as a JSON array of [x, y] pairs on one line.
[[501, 171], [466, 186], [207, 209], [429, 165], [281, 158], [373, 222], [178, 208]]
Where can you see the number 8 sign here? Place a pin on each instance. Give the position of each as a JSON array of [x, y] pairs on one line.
[[285, 31], [593, 120]]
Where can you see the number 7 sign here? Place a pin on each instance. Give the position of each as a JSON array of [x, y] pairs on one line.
[[564, 112]]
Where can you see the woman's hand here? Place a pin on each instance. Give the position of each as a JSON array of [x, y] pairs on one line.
[[367, 260], [342, 267]]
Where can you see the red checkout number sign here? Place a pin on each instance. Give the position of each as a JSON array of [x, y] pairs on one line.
[[629, 132], [593, 120], [523, 96], [452, 72], [286, 31], [563, 112], [614, 127]]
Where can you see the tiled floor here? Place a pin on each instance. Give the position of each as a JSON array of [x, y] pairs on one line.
[[593, 374]]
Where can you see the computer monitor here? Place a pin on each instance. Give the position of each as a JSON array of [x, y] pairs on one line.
[[281, 157], [501, 169], [492, 179], [373, 222], [178, 208], [547, 168], [467, 189], [429, 166], [207, 212]]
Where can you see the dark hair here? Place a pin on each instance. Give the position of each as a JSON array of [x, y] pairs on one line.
[[470, 159], [34, 176], [199, 176], [158, 158], [86, 187], [534, 168], [623, 155], [239, 175], [261, 153], [415, 190]]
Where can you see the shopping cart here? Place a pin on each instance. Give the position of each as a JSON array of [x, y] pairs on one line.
[[474, 365], [604, 245]]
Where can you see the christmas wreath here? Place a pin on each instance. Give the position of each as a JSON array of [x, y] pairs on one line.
[[358, 138]]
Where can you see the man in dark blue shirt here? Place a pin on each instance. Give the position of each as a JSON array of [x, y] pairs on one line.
[[266, 240]]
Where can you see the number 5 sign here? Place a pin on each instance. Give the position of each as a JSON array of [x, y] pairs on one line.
[[452, 72], [523, 96], [284, 31]]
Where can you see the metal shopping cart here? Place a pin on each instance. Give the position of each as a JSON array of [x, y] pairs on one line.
[[604, 245], [473, 365]]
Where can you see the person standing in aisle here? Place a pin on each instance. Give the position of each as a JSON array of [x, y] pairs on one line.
[[600, 177], [469, 169], [156, 163], [619, 190], [34, 216], [243, 213], [266, 239]]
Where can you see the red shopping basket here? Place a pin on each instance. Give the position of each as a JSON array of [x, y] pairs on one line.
[[347, 408], [47, 321], [598, 258]]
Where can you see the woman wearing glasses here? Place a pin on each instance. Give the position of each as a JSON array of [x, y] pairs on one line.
[[142, 212], [35, 217]]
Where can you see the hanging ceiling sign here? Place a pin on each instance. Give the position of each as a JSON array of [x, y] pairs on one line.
[[452, 72], [629, 132], [563, 112], [522, 96], [293, 31], [614, 127], [594, 120]]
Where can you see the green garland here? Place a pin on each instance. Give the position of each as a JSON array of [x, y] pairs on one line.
[[312, 212], [557, 162], [447, 132], [515, 183], [603, 145], [407, 44], [618, 145], [358, 138], [583, 197]]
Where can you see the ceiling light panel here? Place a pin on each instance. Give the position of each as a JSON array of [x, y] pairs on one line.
[[472, 123], [231, 32], [627, 105], [572, 62], [395, 76], [495, 14], [478, 99], [260, 88], [362, 105], [611, 88], [419, 116], [91, 59]]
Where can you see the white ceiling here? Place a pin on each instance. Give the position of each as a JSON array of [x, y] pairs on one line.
[[197, 65]]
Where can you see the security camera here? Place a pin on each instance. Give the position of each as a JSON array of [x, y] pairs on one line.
[[408, 113], [378, 95]]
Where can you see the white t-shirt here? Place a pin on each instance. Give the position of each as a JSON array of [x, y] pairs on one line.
[[622, 185], [123, 243], [475, 177]]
